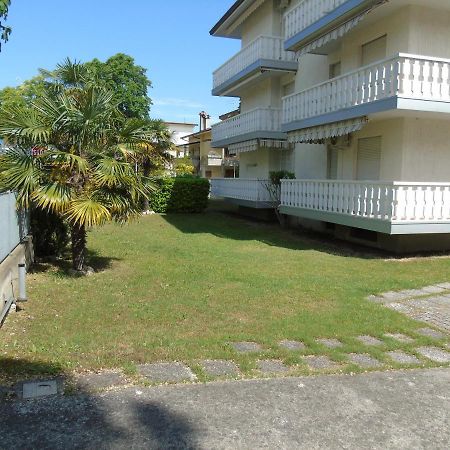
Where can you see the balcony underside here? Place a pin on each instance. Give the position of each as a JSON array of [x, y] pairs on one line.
[[367, 223], [394, 106], [254, 73], [327, 23], [273, 135]]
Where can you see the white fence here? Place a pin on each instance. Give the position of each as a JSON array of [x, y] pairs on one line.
[[406, 76], [241, 189], [263, 47], [306, 13], [258, 119], [392, 201]]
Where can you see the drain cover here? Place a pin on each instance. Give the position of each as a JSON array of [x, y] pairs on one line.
[[36, 389]]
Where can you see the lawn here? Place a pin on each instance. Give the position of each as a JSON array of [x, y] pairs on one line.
[[181, 287]]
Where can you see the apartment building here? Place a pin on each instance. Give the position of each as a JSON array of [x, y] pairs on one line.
[[353, 96]]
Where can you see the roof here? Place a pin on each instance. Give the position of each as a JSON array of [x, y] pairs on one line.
[[181, 123], [230, 23], [226, 16], [197, 134]]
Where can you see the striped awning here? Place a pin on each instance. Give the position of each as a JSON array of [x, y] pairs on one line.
[[318, 134], [255, 144], [337, 32]]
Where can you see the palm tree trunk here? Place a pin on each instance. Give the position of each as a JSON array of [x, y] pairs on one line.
[[78, 235], [146, 173]]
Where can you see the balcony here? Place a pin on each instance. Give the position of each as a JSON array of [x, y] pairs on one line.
[[244, 192], [403, 82], [212, 161], [261, 58], [259, 123], [385, 207], [311, 24]]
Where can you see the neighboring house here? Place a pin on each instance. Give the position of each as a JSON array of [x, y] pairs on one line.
[[209, 162], [15, 249], [179, 130], [353, 96]]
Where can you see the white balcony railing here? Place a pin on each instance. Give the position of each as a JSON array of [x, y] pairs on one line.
[[264, 47], [407, 76], [259, 119], [306, 13], [241, 189], [396, 202]]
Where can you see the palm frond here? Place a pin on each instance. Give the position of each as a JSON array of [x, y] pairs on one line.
[[87, 211]]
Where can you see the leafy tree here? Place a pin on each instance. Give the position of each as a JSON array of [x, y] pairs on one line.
[[127, 80], [83, 175], [5, 31], [23, 94]]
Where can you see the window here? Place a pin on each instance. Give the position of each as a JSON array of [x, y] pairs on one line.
[[374, 51], [369, 159], [335, 70], [332, 163]]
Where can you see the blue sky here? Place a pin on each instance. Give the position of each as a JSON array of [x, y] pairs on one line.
[[169, 38]]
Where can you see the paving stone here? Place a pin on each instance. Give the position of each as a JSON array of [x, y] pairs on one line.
[[400, 337], [364, 360], [103, 380], [219, 367], [369, 340], [433, 289], [391, 295], [400, 307], [435, 354], [246, 347], [320, 362], [411, 293], [166, 372], [429, 332], [402, 357], [292, 345], [330, 343], [272, 366]]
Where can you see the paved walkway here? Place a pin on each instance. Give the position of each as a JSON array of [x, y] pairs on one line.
[[398, 410]]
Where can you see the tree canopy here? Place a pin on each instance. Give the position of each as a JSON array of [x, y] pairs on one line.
[[4, 30], [119, 74], [127, 80]]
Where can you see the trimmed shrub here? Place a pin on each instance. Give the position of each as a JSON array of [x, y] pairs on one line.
[[276, 177], [180, 195]]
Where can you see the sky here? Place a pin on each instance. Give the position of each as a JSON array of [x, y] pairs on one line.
[[169, 38]]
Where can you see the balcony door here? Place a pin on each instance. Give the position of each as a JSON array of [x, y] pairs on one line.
[[369, 159], [374, 51]]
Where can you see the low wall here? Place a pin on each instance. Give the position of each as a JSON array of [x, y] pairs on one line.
[[9, 273]]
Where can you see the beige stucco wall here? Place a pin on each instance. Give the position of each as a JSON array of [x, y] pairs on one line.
[[411, 29], [266, 20], [259, 163], [426, 151]]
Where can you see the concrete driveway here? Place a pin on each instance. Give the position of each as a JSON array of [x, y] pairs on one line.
[[409, 409]]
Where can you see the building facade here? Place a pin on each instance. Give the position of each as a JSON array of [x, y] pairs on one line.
[[353, 96]]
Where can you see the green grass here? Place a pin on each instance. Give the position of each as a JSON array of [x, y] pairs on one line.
[[180, 287]]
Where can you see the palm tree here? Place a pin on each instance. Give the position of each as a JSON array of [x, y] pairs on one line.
[[83, 175]]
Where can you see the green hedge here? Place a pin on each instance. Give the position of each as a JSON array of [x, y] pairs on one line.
[[181, 195]]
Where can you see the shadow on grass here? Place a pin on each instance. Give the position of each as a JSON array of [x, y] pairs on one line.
[[225, 221], [230, 225], [63, 266], [119, 419]]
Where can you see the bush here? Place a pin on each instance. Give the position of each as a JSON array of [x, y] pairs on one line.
[[276, 177], [181, 195], [50, 233]]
